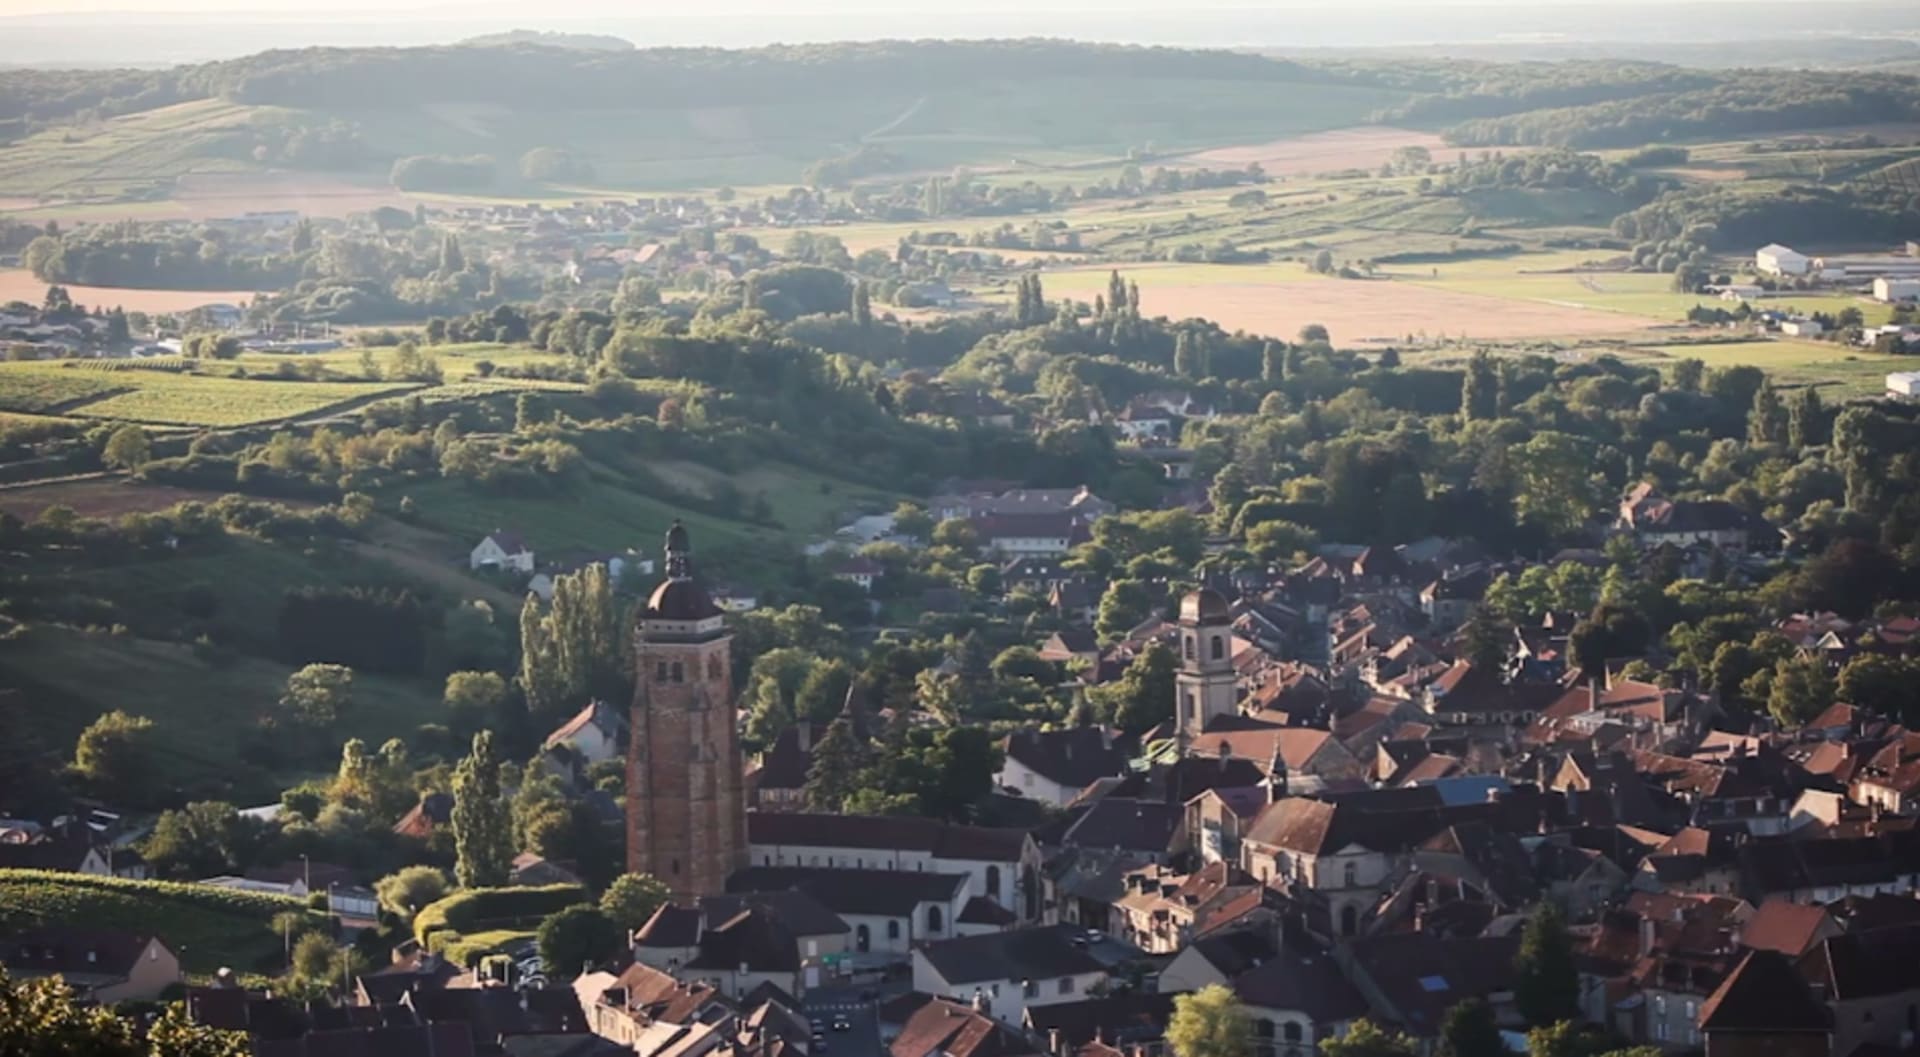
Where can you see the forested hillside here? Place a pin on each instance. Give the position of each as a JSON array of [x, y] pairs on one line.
[[690, 116]]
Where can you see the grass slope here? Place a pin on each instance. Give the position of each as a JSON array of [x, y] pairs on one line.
[[202, 712], [208, 928]]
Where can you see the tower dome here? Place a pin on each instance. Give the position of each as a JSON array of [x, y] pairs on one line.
[[1205, 606]]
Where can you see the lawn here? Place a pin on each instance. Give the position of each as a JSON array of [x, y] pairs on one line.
[[203, 712], [173, 399], [207, 928]]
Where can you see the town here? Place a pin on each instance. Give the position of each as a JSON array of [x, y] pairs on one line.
[[525, 544]]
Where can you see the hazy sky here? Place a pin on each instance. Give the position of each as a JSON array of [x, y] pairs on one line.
[[548, 10]]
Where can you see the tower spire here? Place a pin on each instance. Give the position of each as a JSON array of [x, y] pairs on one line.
[[679, 552]]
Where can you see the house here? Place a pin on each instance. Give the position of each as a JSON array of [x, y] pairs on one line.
[[1069, 645], [533, 871], [502, 551], [1775, 259], [1871, 982], [595, 734], [884, 911], [101, 966], [737, 943], [1890, 290], [734, 599], [942, 1028], [1297, 999], [1764, 1009], [1024, 535], [1904, 385], [1220, 959], [1411, 979], [1010, 971], [859, 571], [992, 859], [1054, 766], [1140, 421], [1163, 909], [1802, 328], [1116, 1022], [1656, 520]]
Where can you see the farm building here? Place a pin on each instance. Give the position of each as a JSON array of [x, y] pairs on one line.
[[1904, 385], [1887, 289], [1775, 259], [1866, 266], [1802, 328]]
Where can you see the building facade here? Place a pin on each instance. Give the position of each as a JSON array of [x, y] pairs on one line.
[[686, 796]]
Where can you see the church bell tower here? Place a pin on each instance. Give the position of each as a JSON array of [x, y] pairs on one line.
[[1206, 684], [686, 803]]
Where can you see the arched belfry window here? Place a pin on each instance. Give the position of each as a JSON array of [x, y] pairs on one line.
[[1219, 648], [679, 672], [713, 667]]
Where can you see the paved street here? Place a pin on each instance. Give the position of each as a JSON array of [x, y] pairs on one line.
[[825, 1003]]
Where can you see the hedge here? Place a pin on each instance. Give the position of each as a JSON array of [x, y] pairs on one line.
[[477, 909]]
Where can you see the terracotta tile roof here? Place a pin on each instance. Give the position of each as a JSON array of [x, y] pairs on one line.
[[941, 1028], [1784, 926]]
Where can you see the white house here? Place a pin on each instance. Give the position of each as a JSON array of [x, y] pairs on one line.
[[504, 551], [1889, 290], [1802, 328], [1775, 259], [594, 733], [859, 571], [886, 912], [1030, 535], [1904, 384], [991, 858], [1010, 971]]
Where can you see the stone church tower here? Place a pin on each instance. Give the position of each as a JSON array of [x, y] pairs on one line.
[[686, 801], [1206, 684]]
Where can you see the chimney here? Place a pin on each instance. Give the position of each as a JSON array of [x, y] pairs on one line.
[[1055, 1044], [1593, 695], [803, 731], [1646, 936], [1106, 737]]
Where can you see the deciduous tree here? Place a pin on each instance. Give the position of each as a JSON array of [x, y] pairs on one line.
[[1209, 1022]]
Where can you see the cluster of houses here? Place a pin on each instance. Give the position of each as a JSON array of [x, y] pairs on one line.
[[1349, 813]]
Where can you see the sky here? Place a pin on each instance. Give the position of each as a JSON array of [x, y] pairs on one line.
[[547, 10]]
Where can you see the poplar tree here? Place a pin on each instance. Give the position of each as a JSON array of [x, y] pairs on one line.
[[862, 305], [482, 821], [1767, 422]]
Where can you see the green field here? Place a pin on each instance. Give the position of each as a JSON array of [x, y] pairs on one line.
[[207, 928], [173, 399], [1838, 369], [34, 390], [203, 713]]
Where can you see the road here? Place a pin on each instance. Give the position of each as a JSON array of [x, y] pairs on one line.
[[863, 1040]]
